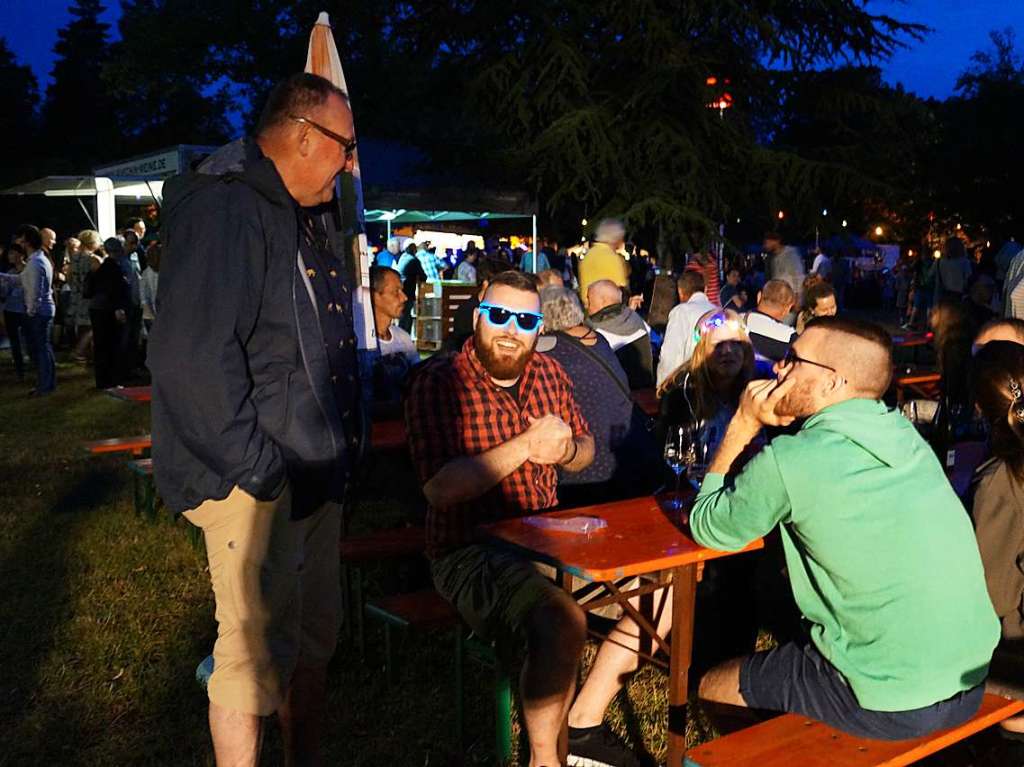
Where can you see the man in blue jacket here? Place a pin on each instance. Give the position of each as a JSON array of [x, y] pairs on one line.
[[255, 406]]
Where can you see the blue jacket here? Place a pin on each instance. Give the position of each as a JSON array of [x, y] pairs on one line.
[[241, 384]]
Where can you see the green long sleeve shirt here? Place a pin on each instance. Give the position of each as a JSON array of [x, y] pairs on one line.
[[881, 555]]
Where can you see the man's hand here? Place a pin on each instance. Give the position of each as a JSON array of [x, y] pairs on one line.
[[759, 400], [549, 439], [120, 316], [635, 302]]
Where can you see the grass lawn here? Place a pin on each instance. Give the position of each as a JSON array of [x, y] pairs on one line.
[[104, 616]]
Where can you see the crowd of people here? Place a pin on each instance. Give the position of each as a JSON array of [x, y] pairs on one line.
[[890, 612], [94, 297]]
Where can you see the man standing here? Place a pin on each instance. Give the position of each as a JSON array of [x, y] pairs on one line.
[[786, 264], [879, 550], [602, 261], [624, 329], [682, 320], [255, 406], [488, 428], [467, 268], [132, 268], [37, 285]]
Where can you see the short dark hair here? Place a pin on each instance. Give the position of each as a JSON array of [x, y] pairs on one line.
[[868, 331], [489, 267], [515, 279], [690, 282], [772, 234], [296, 95], [378, 274], [778, 293], [815, 291], [131, 222], [31, 235]]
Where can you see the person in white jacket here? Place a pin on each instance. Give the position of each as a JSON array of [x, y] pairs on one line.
[[679, 342]]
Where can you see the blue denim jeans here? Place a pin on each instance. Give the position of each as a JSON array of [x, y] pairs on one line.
[[39, 329]]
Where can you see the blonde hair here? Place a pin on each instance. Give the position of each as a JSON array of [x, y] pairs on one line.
[[90, 239], [696, 372]]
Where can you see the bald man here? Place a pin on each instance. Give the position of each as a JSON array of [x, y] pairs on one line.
[[878, 548], [624, 329]]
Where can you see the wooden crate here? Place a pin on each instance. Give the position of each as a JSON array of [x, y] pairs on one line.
[[436, 304]]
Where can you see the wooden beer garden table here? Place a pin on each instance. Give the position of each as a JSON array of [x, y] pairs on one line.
[[641, 538]]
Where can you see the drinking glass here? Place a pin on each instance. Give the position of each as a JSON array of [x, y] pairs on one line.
[[681, 451]]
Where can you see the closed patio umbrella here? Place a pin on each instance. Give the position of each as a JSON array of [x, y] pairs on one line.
[[322, 59]]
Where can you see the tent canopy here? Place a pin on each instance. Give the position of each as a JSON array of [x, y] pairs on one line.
[[398, 187], [139, 190], [402, 216]]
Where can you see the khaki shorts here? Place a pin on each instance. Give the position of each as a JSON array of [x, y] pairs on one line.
[[277, 593]]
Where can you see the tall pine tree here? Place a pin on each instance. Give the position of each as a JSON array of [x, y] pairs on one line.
[[19, 93], [79, 127]]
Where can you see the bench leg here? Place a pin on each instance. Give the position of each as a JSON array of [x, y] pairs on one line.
[[346, 602], [150, 498], [389, 671], [357, 608], [502, 714], [460, 731]]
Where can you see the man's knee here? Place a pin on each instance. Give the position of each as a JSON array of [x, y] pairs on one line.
[[722, 684], [558, 625]]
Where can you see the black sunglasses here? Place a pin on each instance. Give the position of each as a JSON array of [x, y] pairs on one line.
[[792, 358], [499, 316], [348, 144]]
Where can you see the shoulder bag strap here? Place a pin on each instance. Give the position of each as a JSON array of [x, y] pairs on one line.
[[597, 358]]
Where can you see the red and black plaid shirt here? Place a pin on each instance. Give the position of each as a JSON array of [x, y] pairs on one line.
[[454, 409]]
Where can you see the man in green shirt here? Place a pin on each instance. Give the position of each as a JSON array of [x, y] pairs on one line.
[[880, 553]]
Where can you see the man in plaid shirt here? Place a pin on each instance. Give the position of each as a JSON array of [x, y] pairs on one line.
[[487, 429]]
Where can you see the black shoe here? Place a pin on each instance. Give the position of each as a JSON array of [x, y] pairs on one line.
[[598, 747]]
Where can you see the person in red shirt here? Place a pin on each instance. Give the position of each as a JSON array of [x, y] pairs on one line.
[[487, 428], [707, 265]]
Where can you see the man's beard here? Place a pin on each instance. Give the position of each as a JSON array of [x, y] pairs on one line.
[[798, 403], [499, 364]]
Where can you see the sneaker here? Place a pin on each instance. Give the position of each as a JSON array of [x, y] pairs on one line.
[[598, 747]]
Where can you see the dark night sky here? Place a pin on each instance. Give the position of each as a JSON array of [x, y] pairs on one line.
[[929, 68]]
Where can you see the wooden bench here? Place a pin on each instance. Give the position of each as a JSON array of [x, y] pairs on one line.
[[131, 393], [137, 446], [427, 610], [388, 435], [796, 740], [361, 550]]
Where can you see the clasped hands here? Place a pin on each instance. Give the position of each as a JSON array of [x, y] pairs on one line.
[[549, 440]]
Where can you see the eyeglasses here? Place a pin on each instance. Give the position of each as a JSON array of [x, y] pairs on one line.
[[792, 358], [499, 317], [348, 144]]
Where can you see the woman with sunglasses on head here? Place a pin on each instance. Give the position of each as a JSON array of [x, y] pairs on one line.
[[997, 379], [707, 388]]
